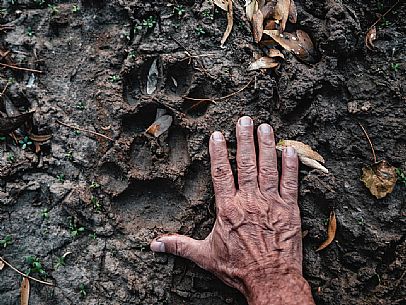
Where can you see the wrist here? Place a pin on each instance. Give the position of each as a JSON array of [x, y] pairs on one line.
[[287, 287]]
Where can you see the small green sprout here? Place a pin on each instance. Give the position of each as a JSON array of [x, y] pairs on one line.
[[30, 32], [10, 158], [35, 266], [82, 290], [74, 229], [80, 106], [60, 260], [395, 67], [94, 185], [179, 10], [53, 9], [25, 142], [149, 23], [61, 178], [6, 241], [93, 236], [39, 2], [2, 139], [12, 2], [77, 132], [208, 14], [69, 155], [114, 78], [200, 31], [75, 8], [45, 214], [132, 54], [3, 12], [401, 176], [96, 203]]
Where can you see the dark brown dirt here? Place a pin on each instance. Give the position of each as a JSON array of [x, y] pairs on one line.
[[95, 63]]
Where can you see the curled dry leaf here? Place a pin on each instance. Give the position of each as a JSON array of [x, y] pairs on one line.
[[251, 6], [299, 43], [306, 154], [10, 124], [292, 12], [257, 25], [282, 12], [275, 53], [25, 291], [223, 4], [380, 178], [370, 37], [161, 125], [331, 231], [230, 22], [263, 63]]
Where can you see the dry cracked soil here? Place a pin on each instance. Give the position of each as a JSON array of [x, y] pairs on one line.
[[102, 201]]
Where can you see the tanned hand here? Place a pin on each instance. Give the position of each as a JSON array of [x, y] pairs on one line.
[[256, 243]]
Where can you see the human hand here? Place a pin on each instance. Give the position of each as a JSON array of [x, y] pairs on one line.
[[256, 243]]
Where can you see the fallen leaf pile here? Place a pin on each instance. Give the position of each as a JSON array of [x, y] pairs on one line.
[[269, 19], [305, 153], [331, 231], [380, 178]]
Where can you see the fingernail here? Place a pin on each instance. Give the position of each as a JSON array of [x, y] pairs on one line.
[[217, 136], [265, 129], [157, 246], [290, 151], [245, 121]]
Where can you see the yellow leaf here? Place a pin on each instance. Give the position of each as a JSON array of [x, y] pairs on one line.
[[230, 22], [331, 231], [25, 291], [380, 178]]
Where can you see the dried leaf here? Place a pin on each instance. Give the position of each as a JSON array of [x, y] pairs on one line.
[[292, 12], [312, 163], [152, 78], [275, 53], [40, 138], [263, 63], [268, 10], [250, 8], [10, 124], [331, 231], [160, 125], [271, 25], [370, 37], [282, 12], [380, 178], [223, 4], [1, 265], [301, 149], [299, 43], [25, 291], [230, 22], [257, 26]]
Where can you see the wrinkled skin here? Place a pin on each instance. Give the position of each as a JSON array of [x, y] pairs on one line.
[[256, 244]]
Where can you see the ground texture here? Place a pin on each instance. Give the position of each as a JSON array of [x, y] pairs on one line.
[[96, 56]]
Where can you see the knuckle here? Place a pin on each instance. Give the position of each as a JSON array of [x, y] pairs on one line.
[[267, 171]]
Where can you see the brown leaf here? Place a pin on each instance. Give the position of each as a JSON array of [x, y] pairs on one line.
[[380, 178], [282, 12], [312, 163], [160, 125], [292, 12], [370, 37], [10, 124], [230, 22], [268, 10], [40, 138], [263, 63], [1, 265], [25, 291], [331, 231], [257, 26], [299, 43], [250, 9], [275, 53], [223, 4], [301, 149]]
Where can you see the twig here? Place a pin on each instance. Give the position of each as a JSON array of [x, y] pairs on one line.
[[85, 130], [21, 68], [369, 140], [4, 90], [24, 275], [384, 14]]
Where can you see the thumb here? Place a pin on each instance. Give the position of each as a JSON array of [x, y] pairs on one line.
[[195, 250]]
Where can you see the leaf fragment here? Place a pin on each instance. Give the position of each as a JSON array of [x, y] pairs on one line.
[[223, 4], [380, 178], [292, 12], [250, 8], [301, 149], [257, 26], [331, 231], [1, 265], [275, 53], [230, 22], [263, 63], [152, 78], [282, 12], [9, 124], [312, 163], [25, 291], [370, 37], [161, 125]]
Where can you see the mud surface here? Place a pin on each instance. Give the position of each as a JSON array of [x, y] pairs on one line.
[[96, 59]]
